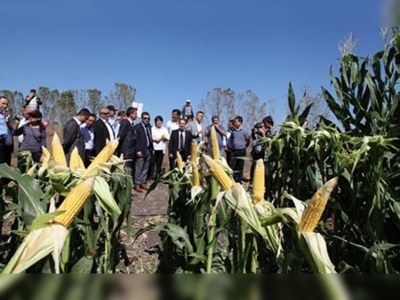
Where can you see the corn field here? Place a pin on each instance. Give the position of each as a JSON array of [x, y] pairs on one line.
[[326, 201]]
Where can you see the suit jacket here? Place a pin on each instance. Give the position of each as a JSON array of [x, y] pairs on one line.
[[139, 137], [101, 134], [126, 144], [192, 127], [72, 137], [173, 144]]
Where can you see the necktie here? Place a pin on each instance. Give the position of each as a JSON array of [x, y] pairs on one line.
[[180, 140], [148, 136]]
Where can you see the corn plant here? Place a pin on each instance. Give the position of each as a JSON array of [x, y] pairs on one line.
[[48, 204]]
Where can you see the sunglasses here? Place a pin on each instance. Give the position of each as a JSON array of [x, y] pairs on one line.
[[104, 113], [145, 118]]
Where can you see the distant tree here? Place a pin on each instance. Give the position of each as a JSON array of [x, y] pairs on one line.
[[253, 109], [122, 97], [94, 100], [16, 101], [66, 105], [49, 100], [319, 109], [80, 97], [227, 104]]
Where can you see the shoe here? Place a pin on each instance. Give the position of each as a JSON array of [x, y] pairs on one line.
[[137, 189], [144, 187]]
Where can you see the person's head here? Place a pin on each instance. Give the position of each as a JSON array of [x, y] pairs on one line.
[[238, 121], [268, 122], [6, 112], [104, 113], [182, 124], [3, 103], [215, 120], [176, 114], [131, 113], [31, 95], [121, 115], [145, 118], [26, 111], [258, 128], [158, 121], [90, 120], [83, 115], [199, 116], [188, 102], [112, 110], [231, 124], [35, 117]]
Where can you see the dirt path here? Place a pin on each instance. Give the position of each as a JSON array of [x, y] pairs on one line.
[[141, 253]]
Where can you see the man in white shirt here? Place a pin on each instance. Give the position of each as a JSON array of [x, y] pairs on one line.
[[88, 137], [112, 117], [22, 121], [196, 127], [174, 122]]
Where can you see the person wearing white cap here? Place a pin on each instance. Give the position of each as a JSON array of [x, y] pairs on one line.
[[187, 110]]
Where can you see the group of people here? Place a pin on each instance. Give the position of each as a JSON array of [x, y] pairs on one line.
[[142, 145], [29, 128]]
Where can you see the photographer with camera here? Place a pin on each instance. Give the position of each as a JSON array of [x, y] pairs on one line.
[[34, 138], [32, 100]]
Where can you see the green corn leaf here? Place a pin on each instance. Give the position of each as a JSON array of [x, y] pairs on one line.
[[42, 220], [29, 191]]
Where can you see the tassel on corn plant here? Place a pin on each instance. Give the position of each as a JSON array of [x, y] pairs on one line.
[[223, 179], [74, 202], [312, 214], [75, 160], [104, 156], [259, 182], [58, 151], [214, 144]]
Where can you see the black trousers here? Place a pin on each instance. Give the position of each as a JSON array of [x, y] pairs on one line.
[[156, 164], [237, 164], [88, 157]]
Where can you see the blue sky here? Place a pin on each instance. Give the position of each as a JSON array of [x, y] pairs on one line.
[[171, 51]]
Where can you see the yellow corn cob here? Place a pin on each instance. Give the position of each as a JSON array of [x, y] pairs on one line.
[[58, 151], [316, 206], [31, 170], [179, 161], [104, 156], [75, 160], [214, 144], [45, 152], [196, 176], [258, 182], [45, 157], [74, 202], [193, 151], [218, 173]]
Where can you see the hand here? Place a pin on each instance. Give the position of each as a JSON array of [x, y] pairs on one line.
[[139, 154]]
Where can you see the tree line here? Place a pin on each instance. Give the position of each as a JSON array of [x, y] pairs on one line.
[[59, 106]]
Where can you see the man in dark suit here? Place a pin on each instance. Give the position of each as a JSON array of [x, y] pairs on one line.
[[72, 135], [143, 151], [180, 140], [126, 142], [102, 130]]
